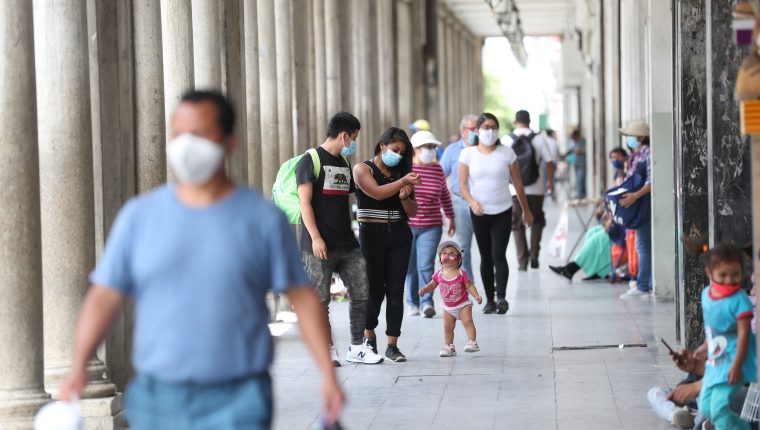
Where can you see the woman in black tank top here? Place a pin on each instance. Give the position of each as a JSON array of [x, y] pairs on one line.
[[385, 196]]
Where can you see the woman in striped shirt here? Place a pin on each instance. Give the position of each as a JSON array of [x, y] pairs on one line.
[[427, 225]]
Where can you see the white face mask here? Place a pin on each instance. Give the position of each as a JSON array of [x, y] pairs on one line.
[[487, 137], [194, 159], [427, 155]]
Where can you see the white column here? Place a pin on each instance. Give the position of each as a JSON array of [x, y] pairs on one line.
[[150, 124], [442, 96], [633, 97], [314, 137], [21, 356], [661, 126], [334, 95], [284, 79], [252, 96], [451, 83], [268, 91], [320, 71], [66, 183], [207, 44], [177, 44]]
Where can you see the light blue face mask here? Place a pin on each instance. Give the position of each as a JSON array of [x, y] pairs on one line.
[[391, 159], [632, 142], [472, 137], [347, 152]]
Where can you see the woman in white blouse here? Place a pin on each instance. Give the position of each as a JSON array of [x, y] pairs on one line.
[[485, 172]]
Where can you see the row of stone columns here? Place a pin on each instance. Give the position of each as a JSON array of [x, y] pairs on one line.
[[88, 89]]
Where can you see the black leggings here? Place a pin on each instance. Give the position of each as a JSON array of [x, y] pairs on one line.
[[492, 233], [386, 248]]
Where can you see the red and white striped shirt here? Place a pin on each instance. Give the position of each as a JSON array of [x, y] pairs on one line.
[[432, 195]]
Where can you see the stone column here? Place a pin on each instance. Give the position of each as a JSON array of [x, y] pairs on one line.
[[385, 48], [300, 63], [405, 61], [332, 57], [347, 44], [284, 78], [150, 124], [443, 75], [235, 89], [314, 138], [728, 152], [451, 82], [177, 44], [692, 198], [207, 44], [252, 96], [21, 357], [66, 192], [320, 68], [661, 126], [270, 162]]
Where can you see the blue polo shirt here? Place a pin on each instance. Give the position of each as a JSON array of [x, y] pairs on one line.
[[199, 277], [450, 163]]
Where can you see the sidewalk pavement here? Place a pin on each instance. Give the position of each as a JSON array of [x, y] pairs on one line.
[[521, 378]]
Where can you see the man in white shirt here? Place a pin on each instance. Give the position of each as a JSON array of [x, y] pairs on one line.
[[532, 149]]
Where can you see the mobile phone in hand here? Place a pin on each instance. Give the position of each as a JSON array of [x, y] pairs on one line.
[[667, 346]]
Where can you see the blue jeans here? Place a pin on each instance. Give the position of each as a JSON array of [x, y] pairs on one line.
[[241, 404], [580, 182], [644, 248], [464, 232], [421, 264]]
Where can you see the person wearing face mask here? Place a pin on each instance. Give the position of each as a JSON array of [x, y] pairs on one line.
[[450, 164], [328, 245], [485, 172], [385, 199], [618, 158], [532, 151], [199, 257], [637, 138], [427, 225]]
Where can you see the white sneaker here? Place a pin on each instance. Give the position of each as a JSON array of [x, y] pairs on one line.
[[413, 311], [334, 356], [471, 346], [635, 293], [363, 354], [428, 311], [448, 351], [632, 284]]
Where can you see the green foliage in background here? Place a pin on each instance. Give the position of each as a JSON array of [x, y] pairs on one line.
[[496, 101]]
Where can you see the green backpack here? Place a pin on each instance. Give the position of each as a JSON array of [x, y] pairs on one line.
[[285, 188]]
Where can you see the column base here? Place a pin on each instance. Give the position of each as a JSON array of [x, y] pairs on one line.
[[103, 413], [17, 408]]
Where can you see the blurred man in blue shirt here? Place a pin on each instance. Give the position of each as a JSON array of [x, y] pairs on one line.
[[199, 257]]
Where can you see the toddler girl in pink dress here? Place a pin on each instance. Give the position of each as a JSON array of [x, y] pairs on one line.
[[455, 288]]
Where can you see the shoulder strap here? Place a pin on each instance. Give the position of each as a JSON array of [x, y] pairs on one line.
[[514, 138], [315, 161]]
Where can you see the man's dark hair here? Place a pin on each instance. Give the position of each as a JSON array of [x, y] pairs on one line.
[[523, 117], [226, 117], [619, 150], [550, 132], [342, 121], [576, 134]]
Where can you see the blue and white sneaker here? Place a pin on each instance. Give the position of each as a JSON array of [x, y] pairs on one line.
[[363, 354]]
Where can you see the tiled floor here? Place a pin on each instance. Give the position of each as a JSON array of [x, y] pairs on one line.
[[517, 381]]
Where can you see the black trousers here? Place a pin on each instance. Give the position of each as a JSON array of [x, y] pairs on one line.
[[524, 253], [386, 248], [492, 233]]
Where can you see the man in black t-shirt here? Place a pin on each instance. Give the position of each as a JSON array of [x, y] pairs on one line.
[[328, 245]]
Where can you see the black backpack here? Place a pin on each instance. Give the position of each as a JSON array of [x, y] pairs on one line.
[[526, 157]]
